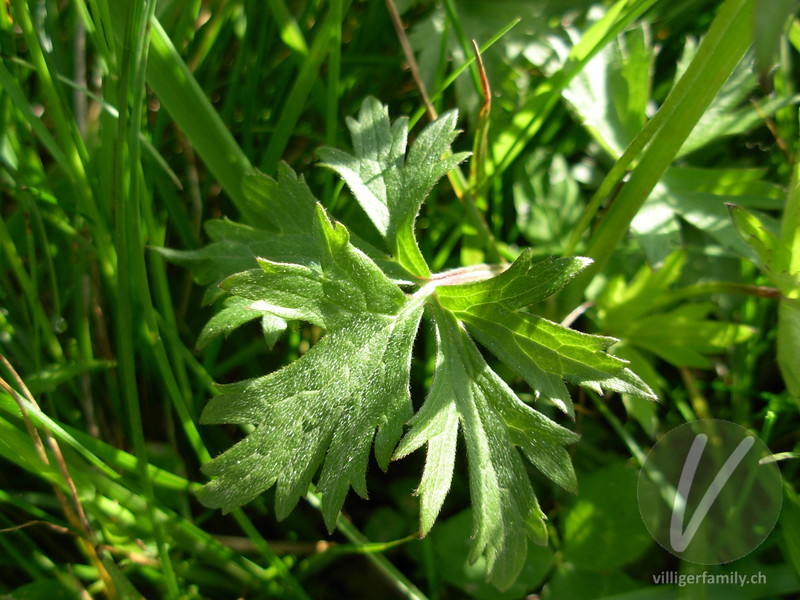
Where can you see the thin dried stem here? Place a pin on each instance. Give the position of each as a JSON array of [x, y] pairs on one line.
[[73, 512], [48, 524], [412, 62]]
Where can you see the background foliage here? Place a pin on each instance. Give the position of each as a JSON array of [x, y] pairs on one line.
[[617, 130]]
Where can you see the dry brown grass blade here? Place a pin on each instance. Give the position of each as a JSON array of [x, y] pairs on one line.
[[73, 511], [48, 524], [412, 62]]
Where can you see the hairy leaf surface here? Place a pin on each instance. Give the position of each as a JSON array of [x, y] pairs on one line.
[[317, 418], [234, 246], [467, 394], [389, 185], [327, 406]]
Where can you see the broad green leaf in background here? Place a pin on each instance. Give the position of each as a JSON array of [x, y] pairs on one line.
[[637, 313], [324, 411], [612, 93], [576, 583], [612, 98], [698, 196], [602, 529], [451, 542], [778, 255]]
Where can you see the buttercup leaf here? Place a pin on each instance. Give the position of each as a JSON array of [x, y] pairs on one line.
[[328, 406], [467, 394], [317, 418], [237, 312], [389, 186]]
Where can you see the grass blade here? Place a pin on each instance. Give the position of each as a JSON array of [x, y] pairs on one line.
[[721, 50]]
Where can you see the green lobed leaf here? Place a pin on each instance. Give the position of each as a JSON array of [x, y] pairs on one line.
[[328, 406], [234, 246], [237, 312], [389, 186], [346, 282], [543, 353], [466, 393], [373, 173], [320, 415], [525, 282], [284, 204]]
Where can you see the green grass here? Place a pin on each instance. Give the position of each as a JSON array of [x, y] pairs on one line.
[[124, 126]]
